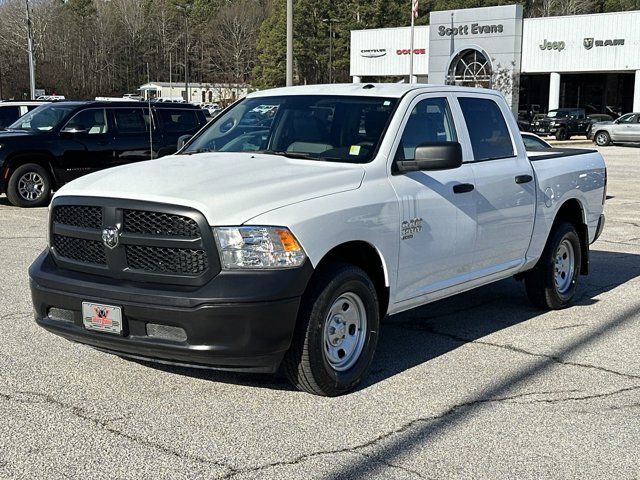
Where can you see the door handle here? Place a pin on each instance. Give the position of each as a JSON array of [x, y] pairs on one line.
[[523, 179], [463, 188]]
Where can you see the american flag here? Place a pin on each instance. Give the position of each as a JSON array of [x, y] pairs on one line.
[[414, 8]]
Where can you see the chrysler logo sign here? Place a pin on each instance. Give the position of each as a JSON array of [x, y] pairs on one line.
[[373, 53], [590, 42]]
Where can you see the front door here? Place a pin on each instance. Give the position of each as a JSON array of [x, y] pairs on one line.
[[505, 187], [437, 212], [87, 144], [627, 129]]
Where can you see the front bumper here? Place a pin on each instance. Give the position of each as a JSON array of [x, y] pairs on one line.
[[544, 130], [237, 321]]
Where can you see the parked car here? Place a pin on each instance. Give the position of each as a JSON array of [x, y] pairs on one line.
[[533, 142], [563, 123], [11, 111], [355, 202], [59, 142], [625, 129], [597, 118]]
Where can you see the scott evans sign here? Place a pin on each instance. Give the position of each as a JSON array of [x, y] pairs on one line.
[[373, 53], [589, 42], [547, 45], [473, 29]]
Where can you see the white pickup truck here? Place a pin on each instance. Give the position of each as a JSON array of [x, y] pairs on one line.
[[291, 225]]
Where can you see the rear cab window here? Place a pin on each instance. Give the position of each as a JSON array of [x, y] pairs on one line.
[[9, 114], [488, 130]]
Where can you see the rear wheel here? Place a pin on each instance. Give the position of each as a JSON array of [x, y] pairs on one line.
[[562, 134], [603, 139], [29, 186], [336, 334], [552, 283]]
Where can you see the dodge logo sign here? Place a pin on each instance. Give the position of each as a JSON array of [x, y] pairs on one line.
[[588, 43], [110, 237]]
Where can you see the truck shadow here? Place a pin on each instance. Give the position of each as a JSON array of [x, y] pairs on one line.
[[422, 334]]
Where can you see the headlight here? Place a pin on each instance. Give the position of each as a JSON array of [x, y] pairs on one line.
[[258, 248]]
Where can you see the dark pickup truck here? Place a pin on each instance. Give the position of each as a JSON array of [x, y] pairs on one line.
[[563, 123], [59, 142]]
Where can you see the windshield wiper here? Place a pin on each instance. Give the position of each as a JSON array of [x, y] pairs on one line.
[[199, 150]]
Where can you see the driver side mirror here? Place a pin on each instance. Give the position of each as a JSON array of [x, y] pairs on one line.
[[433, 156], [182, 140]]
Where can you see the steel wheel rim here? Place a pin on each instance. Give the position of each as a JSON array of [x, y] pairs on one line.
[[344, 332], [601, 139], [31, 186], [564, 266]]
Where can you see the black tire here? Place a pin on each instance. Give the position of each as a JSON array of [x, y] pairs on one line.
[[39, 196], [306, 364], [562, 134], [540, 282], [602, 138]]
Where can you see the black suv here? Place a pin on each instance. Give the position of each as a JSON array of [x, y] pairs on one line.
[[59, 142], [563, 123]]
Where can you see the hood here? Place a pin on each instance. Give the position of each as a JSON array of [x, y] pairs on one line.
[[8, 134], [228, 188]]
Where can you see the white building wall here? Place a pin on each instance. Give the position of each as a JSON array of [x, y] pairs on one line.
[[385, 52], [573, 31]]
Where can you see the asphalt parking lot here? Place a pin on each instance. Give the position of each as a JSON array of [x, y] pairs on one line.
[[478, 386]]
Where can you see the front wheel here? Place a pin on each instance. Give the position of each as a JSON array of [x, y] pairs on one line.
[[603, 139], [336, 334], [29, 186], [552, 283]]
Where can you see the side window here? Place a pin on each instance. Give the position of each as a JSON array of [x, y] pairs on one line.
[[8, 115], [487, 128], [430, 122], [91, 122], [178, 121], [130, 120]]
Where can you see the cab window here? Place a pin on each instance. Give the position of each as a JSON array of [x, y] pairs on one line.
[[178, 121], [430, 122], [90, 122], [130, 120], [488, 131]]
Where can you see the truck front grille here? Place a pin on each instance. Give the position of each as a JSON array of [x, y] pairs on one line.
[[155, 242], [158, 223], [181, 261], [78, 216], [80, 250]]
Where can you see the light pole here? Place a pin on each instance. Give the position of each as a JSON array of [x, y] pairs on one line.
[[330, 21], [289, 43], [185, 9], [32, 75]]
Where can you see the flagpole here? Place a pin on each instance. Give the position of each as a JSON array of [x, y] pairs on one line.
[[413, 18]]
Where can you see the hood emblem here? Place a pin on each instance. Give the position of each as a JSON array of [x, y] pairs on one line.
[[110, 237]]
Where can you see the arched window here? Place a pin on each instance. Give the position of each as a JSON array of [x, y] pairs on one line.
[[470, 68]]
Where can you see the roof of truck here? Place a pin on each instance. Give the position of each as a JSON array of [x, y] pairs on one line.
[[393, 90]]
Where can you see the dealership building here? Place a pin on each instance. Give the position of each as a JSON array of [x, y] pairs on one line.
[[587, 61]]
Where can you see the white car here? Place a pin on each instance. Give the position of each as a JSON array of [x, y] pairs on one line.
[[286, 240]]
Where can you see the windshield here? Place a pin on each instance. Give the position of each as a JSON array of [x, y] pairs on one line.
[[43, 118], [316, 127], [559, 113]]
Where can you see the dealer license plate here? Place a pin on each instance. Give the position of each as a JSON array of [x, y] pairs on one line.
[[102, 318]]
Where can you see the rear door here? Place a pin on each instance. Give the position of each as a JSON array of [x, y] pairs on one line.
[[437, 224], [132, 139], [504, 195]]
